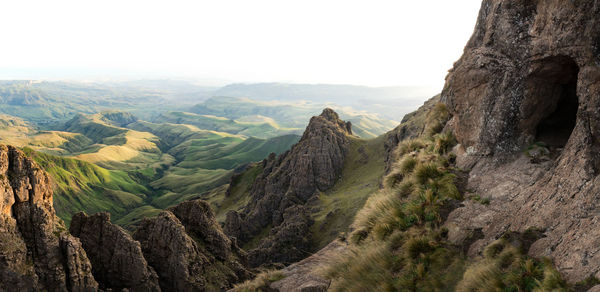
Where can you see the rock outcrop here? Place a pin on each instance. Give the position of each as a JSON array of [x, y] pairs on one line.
[[304, 275], [189, 250], [279, 195], [413, 125], [36, 253], [117, 258], [531, 73]]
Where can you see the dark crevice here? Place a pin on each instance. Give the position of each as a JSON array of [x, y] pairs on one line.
[[556, 84]]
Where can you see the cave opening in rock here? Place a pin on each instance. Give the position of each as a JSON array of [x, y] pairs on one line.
[[555, 82]]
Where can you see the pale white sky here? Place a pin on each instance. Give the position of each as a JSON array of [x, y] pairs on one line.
[[370, 42]]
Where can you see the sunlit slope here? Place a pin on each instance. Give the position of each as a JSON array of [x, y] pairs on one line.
[[83, 186], [17, 132], [259, 129], [116, 147], [114, 162], [291, 114], [204, 159]]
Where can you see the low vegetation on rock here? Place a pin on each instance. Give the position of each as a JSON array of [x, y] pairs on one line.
[[399, 242]]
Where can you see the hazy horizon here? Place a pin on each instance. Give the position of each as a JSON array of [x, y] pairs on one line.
[[381, 43]]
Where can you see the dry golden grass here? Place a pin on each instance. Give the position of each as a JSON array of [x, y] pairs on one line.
[[261, 282]]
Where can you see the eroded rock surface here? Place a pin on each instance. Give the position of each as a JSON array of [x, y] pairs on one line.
[[36, 253], [189, 250], [287, 183], [304, 276], [531, 73], [117, 259]]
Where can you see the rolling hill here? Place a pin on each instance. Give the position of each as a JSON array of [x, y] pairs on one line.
[[132, 168], [290, 114]]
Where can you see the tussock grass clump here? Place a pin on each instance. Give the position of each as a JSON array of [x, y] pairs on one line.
[[407, 165], [505, 268], [261, 283], [443, 142], [436, 119], [382, 212], [363, 269], [427, 172], [409, 146]]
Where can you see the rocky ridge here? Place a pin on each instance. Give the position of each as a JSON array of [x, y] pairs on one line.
[[279, 195]]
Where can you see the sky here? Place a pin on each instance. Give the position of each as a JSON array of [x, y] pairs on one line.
[[370, 42]]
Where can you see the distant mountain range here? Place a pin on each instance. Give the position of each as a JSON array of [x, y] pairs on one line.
[[45, 101]]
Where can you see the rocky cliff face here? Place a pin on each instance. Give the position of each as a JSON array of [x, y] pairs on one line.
[[36, 253], [531, 73], [117, 259], [279, 195], [189, 250]]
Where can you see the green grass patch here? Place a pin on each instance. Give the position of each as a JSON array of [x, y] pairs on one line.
[[360, 177]]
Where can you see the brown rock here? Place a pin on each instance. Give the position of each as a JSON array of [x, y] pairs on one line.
[[117, 259], [189, 250], [31, 257], [78, 265], [531, 72], [290, 180], [304, 276]]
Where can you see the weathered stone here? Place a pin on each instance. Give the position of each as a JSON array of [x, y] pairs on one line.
[[292, 179], [78, 265], [203, 258], [117, 259], [304, 275], [531, 72], [31, 257]]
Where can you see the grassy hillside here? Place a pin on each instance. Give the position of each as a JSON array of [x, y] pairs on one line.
[[114, 162], [363, 170], [116, 147], [82, 186], [222, 124], [291, 114]]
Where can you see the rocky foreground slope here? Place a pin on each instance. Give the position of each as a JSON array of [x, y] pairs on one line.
[[279, 195], [529, 80]]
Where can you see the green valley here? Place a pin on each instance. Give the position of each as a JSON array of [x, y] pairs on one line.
[[112, 161]]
